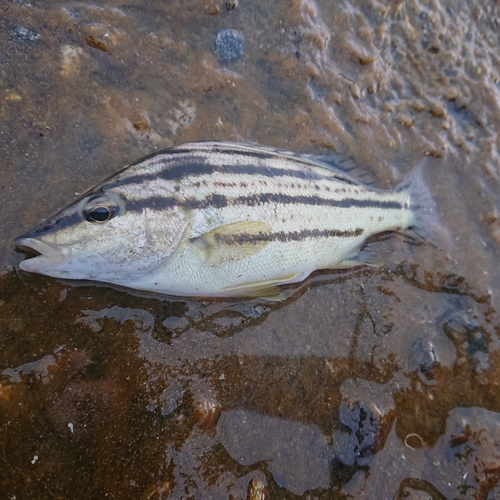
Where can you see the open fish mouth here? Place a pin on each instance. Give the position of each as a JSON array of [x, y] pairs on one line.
[[47, 257]]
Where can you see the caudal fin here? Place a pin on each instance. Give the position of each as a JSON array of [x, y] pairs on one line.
[[426, 224]]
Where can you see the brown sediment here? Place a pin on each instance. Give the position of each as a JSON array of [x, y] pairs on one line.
[[95, 44]]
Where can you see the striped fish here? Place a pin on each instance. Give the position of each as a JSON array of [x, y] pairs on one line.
[[221, 219]]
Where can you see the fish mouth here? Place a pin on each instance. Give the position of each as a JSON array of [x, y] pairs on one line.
[[47, 257]]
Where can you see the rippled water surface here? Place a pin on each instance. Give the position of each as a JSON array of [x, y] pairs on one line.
[[370, 383]]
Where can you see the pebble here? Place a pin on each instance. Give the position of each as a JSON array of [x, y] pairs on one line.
[[424, 358], [229, 45], [364, 426], [368, 412]]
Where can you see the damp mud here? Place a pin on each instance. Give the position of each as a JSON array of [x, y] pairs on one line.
[[367, 383]]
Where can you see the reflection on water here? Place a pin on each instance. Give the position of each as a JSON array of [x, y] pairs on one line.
[[298, 455], [372, 383]]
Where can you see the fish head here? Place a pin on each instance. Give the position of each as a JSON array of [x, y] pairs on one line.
[[104, 236]]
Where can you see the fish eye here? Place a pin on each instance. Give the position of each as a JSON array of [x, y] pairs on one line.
[[100, 208], [101, 213]]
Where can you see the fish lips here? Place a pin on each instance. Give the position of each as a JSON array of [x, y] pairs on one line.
[[48, 259]]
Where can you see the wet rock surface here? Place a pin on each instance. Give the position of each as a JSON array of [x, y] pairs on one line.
[[367, 383]]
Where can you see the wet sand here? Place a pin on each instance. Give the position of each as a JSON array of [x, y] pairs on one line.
[[367, 383]]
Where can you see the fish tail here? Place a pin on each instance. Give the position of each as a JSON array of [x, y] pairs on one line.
[[425, 222]]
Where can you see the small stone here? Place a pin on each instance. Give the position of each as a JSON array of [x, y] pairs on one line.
[[424, 358], [368, 431], [206, 411], [229, 45], [257, 490], [25, 34], [368, 411], [231, 5]]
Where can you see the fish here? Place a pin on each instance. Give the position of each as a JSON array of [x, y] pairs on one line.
[[223, 219]]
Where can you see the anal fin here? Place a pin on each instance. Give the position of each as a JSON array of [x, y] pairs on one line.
[[266, 289], [368, 256]]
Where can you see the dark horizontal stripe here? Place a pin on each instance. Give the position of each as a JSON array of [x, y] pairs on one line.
[[175, 169], [258, 153], [220, 148], [226, 149], [221, 201], [170, 163], [154, 204], [239, 239], [193, 167]]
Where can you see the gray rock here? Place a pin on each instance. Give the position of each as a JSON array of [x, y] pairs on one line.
[[229, 45]]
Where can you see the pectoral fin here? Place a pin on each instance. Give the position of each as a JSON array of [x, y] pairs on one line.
[[232, 242]]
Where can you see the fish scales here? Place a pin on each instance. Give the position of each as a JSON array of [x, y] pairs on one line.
[[221, 219]]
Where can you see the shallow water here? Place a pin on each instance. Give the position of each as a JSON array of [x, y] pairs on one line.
[[370, 383]]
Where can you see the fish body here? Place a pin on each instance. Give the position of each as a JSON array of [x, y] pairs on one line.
[[220, 219]]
